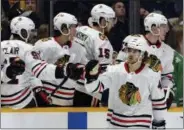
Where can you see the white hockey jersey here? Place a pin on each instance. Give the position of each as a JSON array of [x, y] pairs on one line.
[[97, 47], [133, 96], [16, 93], [78, 54], [51, 51], [96, 44], [166, 54], [64, 95], [2, 57]]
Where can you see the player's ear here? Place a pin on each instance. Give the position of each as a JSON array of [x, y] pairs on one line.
[[64, 28], [102, 22], [154, 29], [24, 33]]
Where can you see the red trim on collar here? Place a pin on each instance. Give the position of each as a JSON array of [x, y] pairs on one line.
[[69, 43], [158, 43], [137, 71], [126, 67]]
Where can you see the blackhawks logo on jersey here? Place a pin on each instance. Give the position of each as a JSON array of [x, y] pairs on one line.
[[129, 94], [154, 63]]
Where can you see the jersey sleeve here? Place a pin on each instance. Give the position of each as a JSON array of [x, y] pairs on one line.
[[42, 70], [157, 98], [4, 77], [167, 73], [84, 59], [35, 82], [43, 49], [24, 47], [89, 45], [103, 82]]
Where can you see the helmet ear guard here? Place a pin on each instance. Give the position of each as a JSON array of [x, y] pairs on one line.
[[63, 28], [23, 33]]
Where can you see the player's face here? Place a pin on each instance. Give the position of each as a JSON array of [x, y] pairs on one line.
[[72, 31], [133, 55], [110, 24], [32, 36], [163, 31]]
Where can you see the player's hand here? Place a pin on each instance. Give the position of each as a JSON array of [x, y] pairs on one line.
[[92, 70], [41, 97], [16, 67], [158, 124], [154, 63], [75, 71]]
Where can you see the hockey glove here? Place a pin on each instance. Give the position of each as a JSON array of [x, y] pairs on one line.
[[74, 71], [16, 67], [158, 124], [154, 63], [41, 97], [92, 70]]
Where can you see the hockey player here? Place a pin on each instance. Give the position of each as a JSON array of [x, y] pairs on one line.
[[93, 38], [156, 29], [17, 84], [55, 50], [34, 64], [96, 44], [134, 89]]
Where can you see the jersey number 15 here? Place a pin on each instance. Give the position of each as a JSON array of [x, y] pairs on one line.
[[104, 53]]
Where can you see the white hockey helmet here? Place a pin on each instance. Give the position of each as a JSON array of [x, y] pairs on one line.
[[20, 23], [64, 18], [154, 19], [127, 38], [138, 43], [101, 10]]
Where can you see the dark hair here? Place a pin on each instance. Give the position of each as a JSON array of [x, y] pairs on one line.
[[95, 23], [43, 31], [17, 37], [145, 57], [114, 3]]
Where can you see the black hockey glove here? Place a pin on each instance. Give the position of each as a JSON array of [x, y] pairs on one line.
[[42, 97], [158, 124], [75, 71], [16, 67], [92, 70]]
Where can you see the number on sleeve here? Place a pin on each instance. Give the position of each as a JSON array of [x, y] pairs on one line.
[[36, 55]]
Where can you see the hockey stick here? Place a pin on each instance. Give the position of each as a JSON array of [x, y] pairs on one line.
[[167, 93], [54, 91]]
